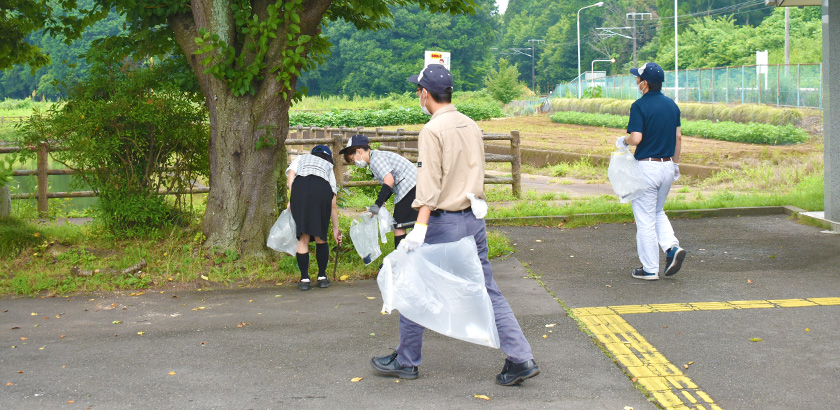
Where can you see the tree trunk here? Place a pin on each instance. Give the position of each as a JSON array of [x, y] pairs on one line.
[[242, 204]]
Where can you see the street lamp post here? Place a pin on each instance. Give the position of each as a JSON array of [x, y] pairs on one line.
[[612, 60], [598, 4]]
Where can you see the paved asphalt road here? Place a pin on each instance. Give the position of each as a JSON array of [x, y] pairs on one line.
[[746, 278]]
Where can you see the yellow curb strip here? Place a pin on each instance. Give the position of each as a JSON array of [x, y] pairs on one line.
[[664, 381]]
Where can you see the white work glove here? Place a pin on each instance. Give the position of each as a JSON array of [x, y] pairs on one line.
[[478, 205], [621, 143], [414, 238], [374, 209], [676, 171]]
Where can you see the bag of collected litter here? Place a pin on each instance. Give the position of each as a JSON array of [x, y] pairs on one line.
[[364, 234], [386, 223], [282, 236], [625, 176], [441, 287]]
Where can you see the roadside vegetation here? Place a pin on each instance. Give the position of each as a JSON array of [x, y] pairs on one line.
[[753, 133]]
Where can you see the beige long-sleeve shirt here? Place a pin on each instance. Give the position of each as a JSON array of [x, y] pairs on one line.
[[450, 162]]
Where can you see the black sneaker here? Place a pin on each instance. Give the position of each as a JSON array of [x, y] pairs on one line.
[[514, 373], [303, 284], [673, 260], [388, 366], [323, 282], [639, 273]]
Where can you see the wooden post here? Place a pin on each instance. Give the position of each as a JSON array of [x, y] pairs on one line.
[[338, 167], [516, 164], [43, 182]]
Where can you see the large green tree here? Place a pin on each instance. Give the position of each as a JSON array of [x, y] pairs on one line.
[[247, 57], [365, 63]]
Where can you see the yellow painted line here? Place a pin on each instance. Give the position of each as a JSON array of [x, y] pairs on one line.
[[664, 381], [826, 301], [700, 306]]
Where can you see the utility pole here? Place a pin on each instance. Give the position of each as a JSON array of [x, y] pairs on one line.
[[633, 17], [787, 38], [533, 63]]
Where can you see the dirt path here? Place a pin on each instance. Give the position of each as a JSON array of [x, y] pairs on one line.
[[537, 131]]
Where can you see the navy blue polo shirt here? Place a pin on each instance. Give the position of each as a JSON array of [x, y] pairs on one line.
[[657, 117]]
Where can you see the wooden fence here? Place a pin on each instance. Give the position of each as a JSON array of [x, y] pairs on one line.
[[298, 136]]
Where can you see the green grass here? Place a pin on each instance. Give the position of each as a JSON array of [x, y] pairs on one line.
[[754, 133], [741, 113]]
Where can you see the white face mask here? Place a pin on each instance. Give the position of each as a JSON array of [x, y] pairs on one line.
[[423, 103], [360, 163]]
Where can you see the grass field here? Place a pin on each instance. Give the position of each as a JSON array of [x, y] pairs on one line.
[[752, 175]]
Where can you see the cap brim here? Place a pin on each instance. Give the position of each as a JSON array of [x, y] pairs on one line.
[[414, 79], [635, 71], [345, 149]]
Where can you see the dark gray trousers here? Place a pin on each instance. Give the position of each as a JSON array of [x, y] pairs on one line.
[[451, 227]]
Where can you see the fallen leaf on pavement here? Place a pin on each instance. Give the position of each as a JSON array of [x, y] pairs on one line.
[[33, 314], [171, 373], [10, 384], [141, 333], [205, 277], [807, 329], [242, 324], [200, 308], [481, 396], [551, 325], [545, 336], [356, 379], [117, 322], [20, 371], [24, 338], [371, 297], [755, 339]]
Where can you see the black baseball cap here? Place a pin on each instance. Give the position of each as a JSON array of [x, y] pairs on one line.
[[435, 78], [355, 141], [650, 72]]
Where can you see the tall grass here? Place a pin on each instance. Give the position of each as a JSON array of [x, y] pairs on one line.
[[742, 113]]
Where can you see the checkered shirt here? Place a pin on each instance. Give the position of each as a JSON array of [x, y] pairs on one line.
[[308, 164], [404, 172]]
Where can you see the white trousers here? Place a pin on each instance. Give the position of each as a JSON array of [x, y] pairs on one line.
[[652, 225]]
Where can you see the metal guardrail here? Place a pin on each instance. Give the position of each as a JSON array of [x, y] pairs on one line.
[[336, 137]]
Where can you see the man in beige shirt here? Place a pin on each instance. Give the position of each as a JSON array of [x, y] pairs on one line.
[[450, 166]]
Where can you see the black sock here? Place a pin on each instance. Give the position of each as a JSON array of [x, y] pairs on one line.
[[303, 264], [322, 255], [397, 240]]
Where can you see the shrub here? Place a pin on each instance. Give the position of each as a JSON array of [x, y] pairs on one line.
[[128, 132], [477, 110], [743, 113], [15, 236], [504, 84], [725, 131]]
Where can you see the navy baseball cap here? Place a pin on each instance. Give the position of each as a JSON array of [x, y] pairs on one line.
[[650, 72], [322, 149], [435, 78], [355, 141]]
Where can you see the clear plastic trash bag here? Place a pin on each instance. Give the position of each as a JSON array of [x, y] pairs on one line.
[[283, 236], [625, 176], [441, 287], [386, 223], [364, 232]]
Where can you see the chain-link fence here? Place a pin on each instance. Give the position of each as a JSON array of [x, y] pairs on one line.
[[793, 85]]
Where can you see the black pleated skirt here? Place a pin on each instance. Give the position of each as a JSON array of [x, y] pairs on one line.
[[311, 200]]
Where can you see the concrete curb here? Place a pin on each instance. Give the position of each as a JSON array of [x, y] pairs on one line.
[[687, 213]]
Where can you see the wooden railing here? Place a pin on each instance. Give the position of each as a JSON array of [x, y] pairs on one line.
[[395, 141], [298, 136]]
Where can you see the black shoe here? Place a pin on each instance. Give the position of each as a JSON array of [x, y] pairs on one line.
[[388, 366], [673, 260], [323, 282], [515, 373], [303, 285]]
